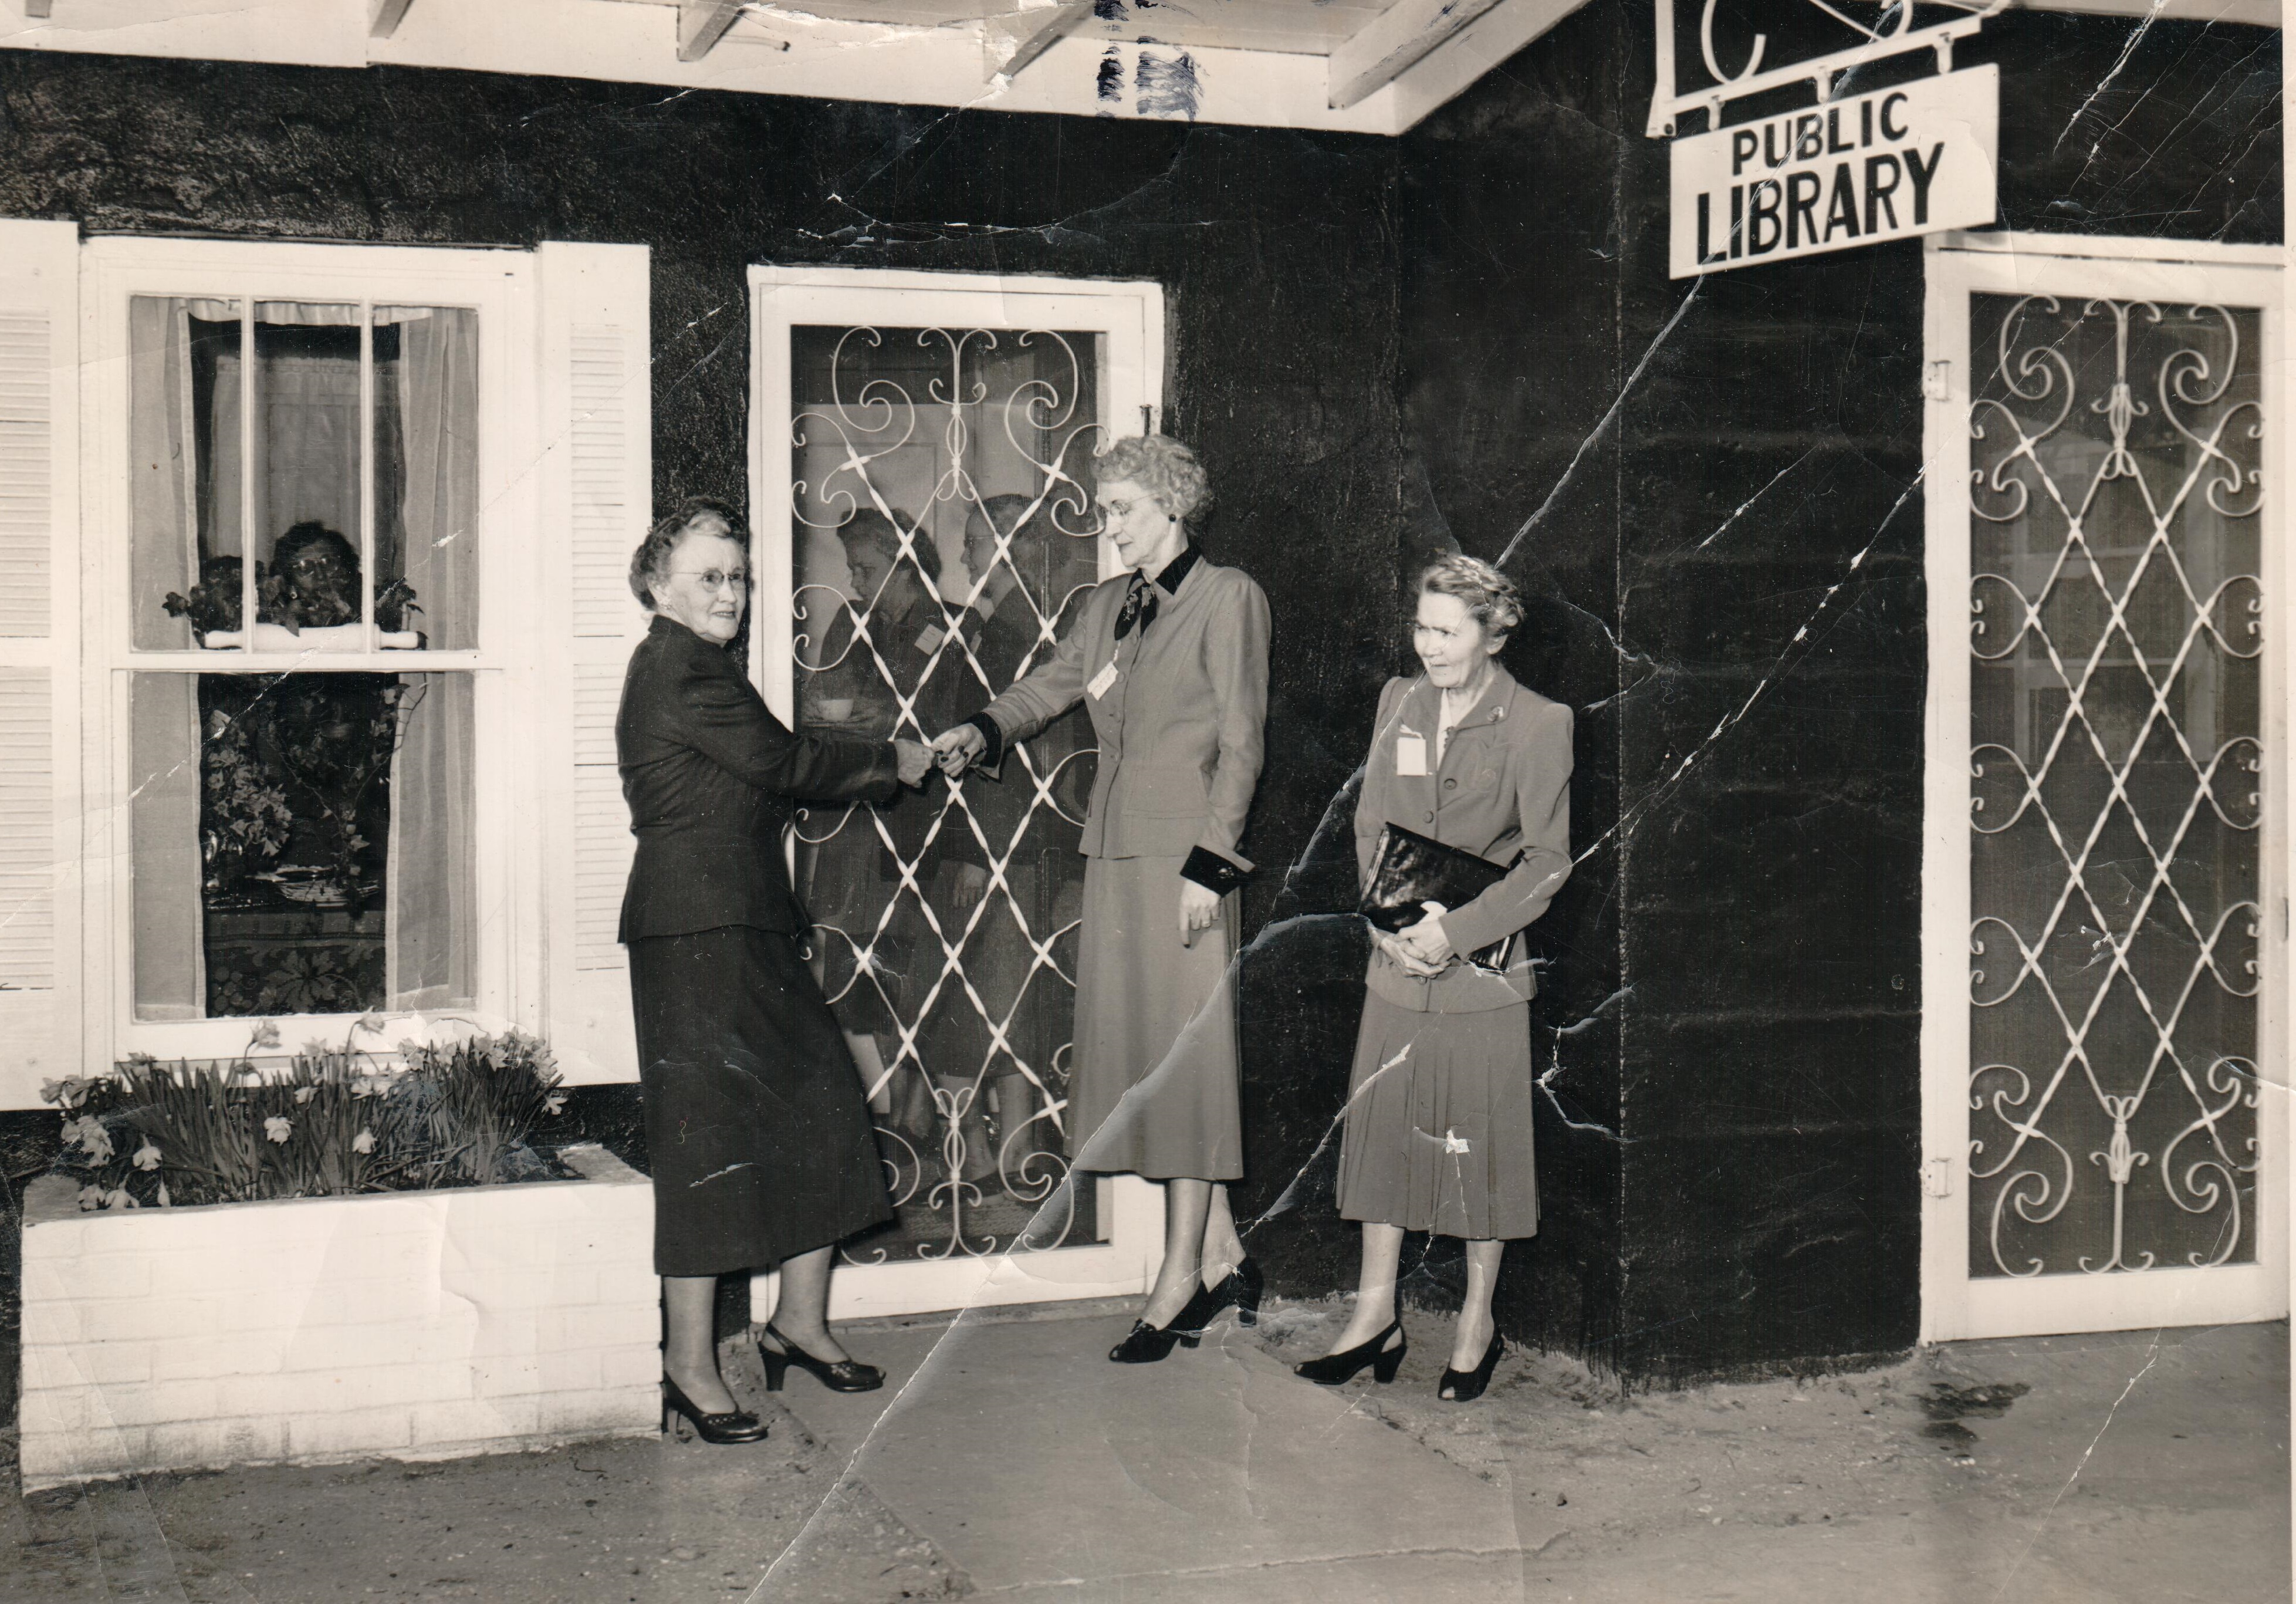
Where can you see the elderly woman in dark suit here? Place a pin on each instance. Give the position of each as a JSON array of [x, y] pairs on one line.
[[1171, 659], [1439, 1119], [755, 1124]]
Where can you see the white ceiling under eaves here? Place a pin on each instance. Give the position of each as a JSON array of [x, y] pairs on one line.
[[1367, 66]]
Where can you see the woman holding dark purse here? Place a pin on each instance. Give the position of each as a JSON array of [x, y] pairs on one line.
[[1439, 1118]]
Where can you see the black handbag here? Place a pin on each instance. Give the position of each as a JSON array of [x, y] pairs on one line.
[[1408, 870]]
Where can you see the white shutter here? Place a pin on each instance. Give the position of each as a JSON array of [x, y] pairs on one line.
[[598, 422], [39, 635]]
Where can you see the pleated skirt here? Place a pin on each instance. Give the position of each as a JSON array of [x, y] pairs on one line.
[[756, 1130], [1153, 1091], [1439, 1123]]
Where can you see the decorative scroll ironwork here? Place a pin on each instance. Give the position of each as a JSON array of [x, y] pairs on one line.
[[2116, 764], [1890, 34], [941, 467]]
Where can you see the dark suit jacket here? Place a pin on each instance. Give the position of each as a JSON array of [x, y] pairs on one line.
[[711, 777]]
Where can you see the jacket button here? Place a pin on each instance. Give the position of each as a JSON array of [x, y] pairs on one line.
[[1450, 784], [1430, 818]]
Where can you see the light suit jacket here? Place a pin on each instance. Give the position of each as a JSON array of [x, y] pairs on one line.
[[1179, 724], [1503, 787]]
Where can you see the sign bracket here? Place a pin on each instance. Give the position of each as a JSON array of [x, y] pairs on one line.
[[1895, 35]]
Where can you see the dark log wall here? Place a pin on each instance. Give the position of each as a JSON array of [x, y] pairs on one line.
[[1383, 348], [1696, 476], [1276, 252]]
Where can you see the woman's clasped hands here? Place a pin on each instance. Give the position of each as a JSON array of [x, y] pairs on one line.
[[958, 748], [912, 762], [1421, 951]]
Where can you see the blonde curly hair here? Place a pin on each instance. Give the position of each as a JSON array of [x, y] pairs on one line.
[[1164, 467]]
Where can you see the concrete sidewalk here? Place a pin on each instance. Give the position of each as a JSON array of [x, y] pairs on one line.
[[1009, 1461], [2137, 1466], [1042, 1472]]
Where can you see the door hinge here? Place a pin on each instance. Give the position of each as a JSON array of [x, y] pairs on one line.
[[1935, 379], [1937, 1178]]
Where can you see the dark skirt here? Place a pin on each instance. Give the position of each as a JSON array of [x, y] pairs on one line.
[[757, 1134], [1439, 1123]]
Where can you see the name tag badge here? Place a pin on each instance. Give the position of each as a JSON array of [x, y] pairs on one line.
[[1411, 757], [1101, 682], [930, 641]]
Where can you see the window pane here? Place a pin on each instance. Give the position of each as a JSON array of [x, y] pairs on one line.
[[427, 474], [296, 502], [304, 508], [301, 842], [184, 568]]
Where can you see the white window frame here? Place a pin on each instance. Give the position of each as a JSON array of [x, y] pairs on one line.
[[1131, 315], [504, 666], [1955, 1305]]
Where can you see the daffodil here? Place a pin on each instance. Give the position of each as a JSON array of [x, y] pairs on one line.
[[147, 1156], [554, 1103], [267, 1034], [364, 1142], [278, 1128], [304, 1094]]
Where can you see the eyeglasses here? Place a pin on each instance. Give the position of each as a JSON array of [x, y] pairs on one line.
[[713, 579]]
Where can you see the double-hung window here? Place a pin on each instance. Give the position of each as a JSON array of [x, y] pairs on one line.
[[297, 616]]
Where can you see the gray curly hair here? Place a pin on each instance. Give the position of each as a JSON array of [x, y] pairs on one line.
[[650, 560], [1491, 597], [1164, 467]]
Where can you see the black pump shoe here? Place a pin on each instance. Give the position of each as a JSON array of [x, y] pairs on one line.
[[1146, 1343], [733, 1425], [1239, 1290], [840, 1376], [1465, 1387], [1332, 1369]]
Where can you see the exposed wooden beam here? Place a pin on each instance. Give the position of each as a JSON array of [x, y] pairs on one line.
[[384, 21], [701, 23], [1057, 24], [1368, 62]]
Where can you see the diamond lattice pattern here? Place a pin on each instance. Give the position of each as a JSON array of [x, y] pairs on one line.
[[2115, 772], [944, 529]]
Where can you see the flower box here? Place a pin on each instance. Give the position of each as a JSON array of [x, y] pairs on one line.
[[405, 1325]]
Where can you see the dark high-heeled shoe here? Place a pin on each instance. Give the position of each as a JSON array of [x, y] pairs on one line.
[[1146, 1343], [840, 1376], [1465, 1387], [732, 1426], [1239, 1290], [1332, 1369]]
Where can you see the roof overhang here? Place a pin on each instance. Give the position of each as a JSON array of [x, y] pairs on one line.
[[1362, 66]]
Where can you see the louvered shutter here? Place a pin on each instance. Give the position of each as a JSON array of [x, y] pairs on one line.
[[39, 565], [598, 419]]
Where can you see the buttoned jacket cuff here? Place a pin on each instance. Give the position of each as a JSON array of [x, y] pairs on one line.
[[1216, 874]]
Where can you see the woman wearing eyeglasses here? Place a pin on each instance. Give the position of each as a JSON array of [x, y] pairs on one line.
[[1171, 661], [757, 1135]]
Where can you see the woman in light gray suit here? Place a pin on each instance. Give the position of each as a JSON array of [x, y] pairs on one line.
[[1439, 1107], [1171, 662]]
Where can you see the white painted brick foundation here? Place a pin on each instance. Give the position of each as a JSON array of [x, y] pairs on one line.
[[413, 1324]]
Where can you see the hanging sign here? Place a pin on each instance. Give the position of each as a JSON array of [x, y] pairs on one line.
[[1889, 165]]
